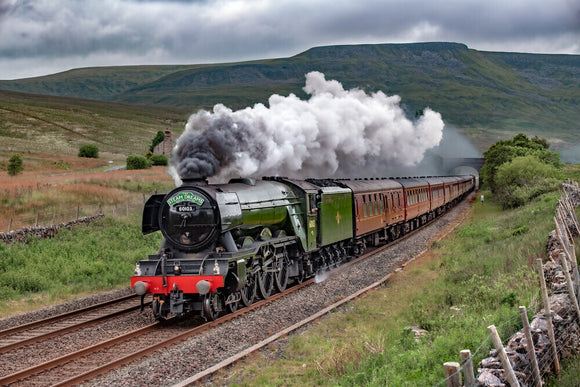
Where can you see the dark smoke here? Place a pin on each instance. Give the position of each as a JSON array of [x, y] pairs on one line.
[[336, 132], [201, 154]]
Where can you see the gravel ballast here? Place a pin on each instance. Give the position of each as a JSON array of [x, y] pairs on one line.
[[179, 362]]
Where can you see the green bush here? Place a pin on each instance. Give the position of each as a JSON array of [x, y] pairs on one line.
[[505, 151], [524, 178], [137, 162], [15, 165], [159, 160], [90, 151]]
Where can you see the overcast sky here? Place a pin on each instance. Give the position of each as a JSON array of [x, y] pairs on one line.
[[40, 37]]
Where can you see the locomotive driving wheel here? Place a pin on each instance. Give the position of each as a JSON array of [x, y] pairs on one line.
[[266, 274], [210, 303], [248, 292], [281, 277], [233, 301]]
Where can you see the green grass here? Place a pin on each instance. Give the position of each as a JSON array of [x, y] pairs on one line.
[[476, 277], [47, 124], [91, 258]]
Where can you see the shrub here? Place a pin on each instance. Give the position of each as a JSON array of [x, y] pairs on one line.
[[505, 151], [91, 151], [15, 165], [159, 160], [524, 178], [137, 162]]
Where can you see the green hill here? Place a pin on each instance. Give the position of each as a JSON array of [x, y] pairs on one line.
[[487, 95], [31, 123]]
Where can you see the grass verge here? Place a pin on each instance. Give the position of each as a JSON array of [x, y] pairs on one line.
[[87, 259], [475, 277]]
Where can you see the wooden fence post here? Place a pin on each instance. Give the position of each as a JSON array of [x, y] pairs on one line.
[[530, 347], [36, 221], [505, 361], [78, 210], [9, 225], [53, 216], [467, 362], [548, 315], [452, 374]]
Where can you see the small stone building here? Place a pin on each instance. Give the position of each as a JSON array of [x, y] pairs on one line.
[[166, 146]]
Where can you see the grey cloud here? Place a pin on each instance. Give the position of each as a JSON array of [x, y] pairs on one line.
[[180, 31]]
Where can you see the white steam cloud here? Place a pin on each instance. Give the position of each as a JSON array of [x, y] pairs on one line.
[[335, 133]]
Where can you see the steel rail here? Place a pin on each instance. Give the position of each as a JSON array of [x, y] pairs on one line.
[[62, 316], [66, 329]]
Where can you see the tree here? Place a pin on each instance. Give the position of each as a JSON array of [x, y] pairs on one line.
[[91, 151], [505, 151], [15, 165], [523, 178], [137, 162], [159, 137]]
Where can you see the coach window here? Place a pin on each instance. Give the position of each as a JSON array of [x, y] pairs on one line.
[[370, 204], [376, 205], [364, 206]]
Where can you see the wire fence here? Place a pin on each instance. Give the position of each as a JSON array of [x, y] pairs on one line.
[[46, 217], [55, 216], [530, 355], [45, 223]]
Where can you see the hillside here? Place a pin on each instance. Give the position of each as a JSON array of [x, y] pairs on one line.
[[487, 95], [57, 125]]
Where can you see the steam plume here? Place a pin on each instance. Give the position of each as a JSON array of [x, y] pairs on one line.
[[335, 133]]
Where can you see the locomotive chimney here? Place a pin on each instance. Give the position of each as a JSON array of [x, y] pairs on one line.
[[197, 181]]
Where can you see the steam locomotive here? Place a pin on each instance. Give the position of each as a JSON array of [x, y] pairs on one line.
[[224, 245]]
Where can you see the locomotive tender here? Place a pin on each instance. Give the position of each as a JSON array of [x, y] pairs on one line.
[[226, 244]]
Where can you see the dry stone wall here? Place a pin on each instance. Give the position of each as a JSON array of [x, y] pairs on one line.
[[564, 318], [25, 234]]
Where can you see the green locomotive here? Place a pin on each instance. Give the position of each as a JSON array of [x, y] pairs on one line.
[[226, 244]]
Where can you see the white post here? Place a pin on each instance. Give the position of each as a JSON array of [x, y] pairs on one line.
[[548, 315], [452, 374], [530, 347], [467, 362], [505, 361]]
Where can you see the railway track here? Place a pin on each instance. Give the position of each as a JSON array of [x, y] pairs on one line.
[[61, 324], [95, 360], [98, 359], [105, 356]]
